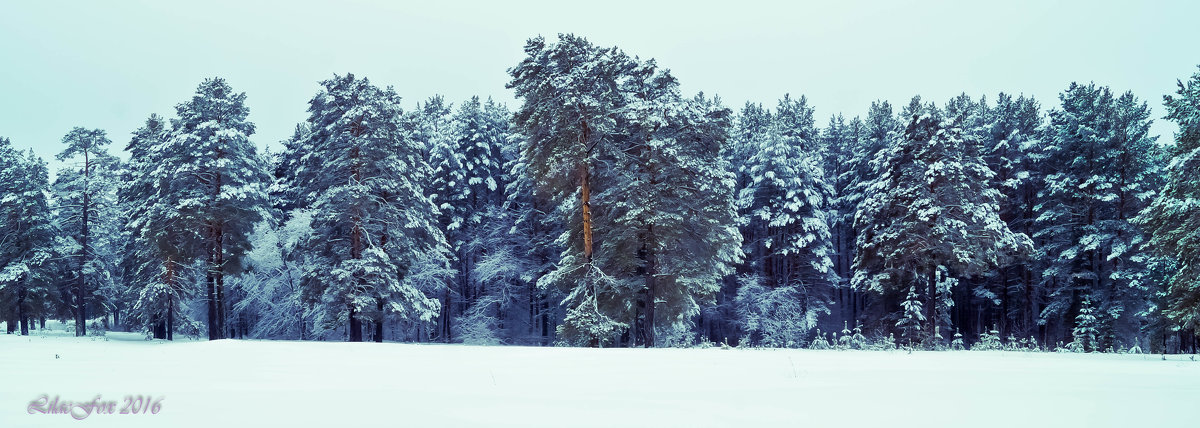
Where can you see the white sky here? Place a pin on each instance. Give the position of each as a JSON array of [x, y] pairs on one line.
[[110, 64]]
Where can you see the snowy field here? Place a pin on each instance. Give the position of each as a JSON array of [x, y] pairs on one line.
[[232, 383]]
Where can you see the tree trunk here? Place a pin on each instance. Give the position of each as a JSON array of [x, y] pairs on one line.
[[355, 326], [210, 282], [356, 248], [170, 318], [379, 323], [651, 289], [585, 197], [931, 311], [219, 273], [585, 191], [445, 331], [22, 317], [356, 237], [84, 249], [158, 328]]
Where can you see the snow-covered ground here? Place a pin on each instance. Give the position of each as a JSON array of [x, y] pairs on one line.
[[232, 383]]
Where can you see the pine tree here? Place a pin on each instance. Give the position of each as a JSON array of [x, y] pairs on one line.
[[432, 125], [838, 144], [467, 182], [1173, 219], [374, 226], [85, 203], [879, 131], [26, 275], [1084, 333], [786, 209], [932, 208], [521, 234], [223, 186], [159, 243], [570, 92], [1100, 172], [1012, 138], [910, 323], [722, 320], [672, 239]]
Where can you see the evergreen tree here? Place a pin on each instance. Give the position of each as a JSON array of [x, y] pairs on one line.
[[26, 249], [880, 130], [910, 323], [838, 144], [1084, 333], [932, 208], [504, 252], [672, 239], [722, 320], [521, 234], [85, 202], [374, 225], [468, 183], [1173, 218], [223, 187], [1012, 131], [570, 92], [786, 208], [160, 245], [432, 125], [1100, 172]]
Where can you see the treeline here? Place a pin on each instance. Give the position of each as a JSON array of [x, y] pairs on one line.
[[609, 209]]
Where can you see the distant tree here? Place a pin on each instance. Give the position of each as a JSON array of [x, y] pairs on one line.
[[839, 141], [272, 306], [522, 235]]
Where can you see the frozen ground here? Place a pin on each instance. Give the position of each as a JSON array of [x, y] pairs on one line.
[[229, 383]]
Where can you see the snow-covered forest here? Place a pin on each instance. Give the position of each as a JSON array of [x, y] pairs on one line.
[[607, 208]]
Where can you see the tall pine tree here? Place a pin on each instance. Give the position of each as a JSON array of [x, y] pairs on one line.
[[1173, 218], [363, 177], [85, 199], [221, 182]]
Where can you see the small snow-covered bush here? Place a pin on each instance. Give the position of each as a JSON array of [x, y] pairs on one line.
[[478, 326], [819, 342], [989, 341], [676, 336], [957, 344], [884, 344], [774, 317]]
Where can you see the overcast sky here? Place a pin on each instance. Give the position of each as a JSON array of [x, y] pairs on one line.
[[111, 64]]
